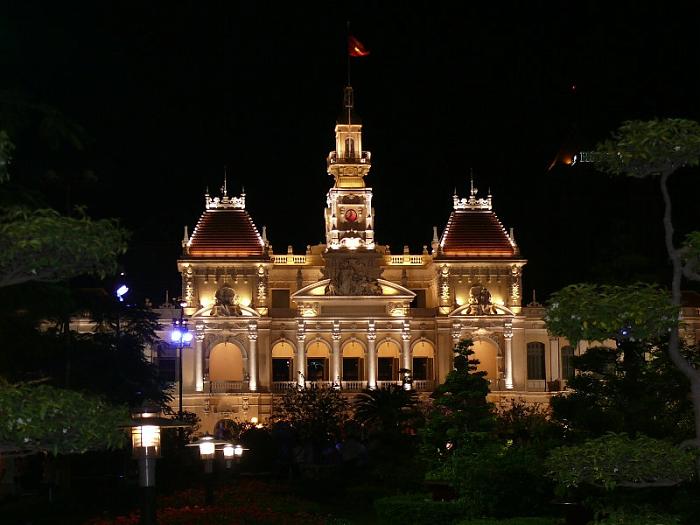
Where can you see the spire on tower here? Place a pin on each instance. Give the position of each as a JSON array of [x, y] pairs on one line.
[[223, 189], [349, 101]]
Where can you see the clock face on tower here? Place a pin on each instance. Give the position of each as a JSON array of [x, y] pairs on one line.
[[351, 215]]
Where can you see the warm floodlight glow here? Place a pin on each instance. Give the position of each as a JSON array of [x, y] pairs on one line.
[[207, 448], [145, 440], [229, 451], [238, 450]]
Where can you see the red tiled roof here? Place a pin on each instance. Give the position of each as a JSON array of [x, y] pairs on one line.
[[225, 233], [475, 233]]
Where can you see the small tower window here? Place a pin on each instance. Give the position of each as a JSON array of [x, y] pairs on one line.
[[349, 148]]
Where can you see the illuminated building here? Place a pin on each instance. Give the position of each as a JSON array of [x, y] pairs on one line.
[[348, 313]]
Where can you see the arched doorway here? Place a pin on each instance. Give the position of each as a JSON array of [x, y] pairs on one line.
[[317, 354], [353, 361], [226, 363], [423, 359], [282, 361], [486, 352], [388, 361]]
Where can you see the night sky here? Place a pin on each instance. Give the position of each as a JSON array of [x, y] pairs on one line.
[[169, 93]]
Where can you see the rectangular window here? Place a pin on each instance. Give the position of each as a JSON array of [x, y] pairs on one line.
[[280, 298], [387, 369], [419, 299], [352, 369], [535, 361], [281, 369], [317, 369], [567, 362], [167, 362], [422, 368]]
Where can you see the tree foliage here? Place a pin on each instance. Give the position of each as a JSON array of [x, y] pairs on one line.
[[461, 414], [659, 148], [315, 414], [589, 312], [6, 148], [42, 245], [617, 460], [633, 388], [47, 419], [648, 148], [387, 410]]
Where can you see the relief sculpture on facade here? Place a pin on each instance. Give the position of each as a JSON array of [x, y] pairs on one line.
[[480, 301], [352, 276], [226, 304]]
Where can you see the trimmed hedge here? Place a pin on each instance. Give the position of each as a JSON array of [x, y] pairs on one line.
[[512, 521], [417, 508]]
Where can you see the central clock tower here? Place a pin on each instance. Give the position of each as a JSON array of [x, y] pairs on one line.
[[349, 214]]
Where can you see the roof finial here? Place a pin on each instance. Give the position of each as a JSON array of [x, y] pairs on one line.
[[473, 190], [224, 189]]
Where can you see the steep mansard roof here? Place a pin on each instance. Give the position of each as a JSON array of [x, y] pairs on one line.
[[476, 233], [225, 229], [473, 230]]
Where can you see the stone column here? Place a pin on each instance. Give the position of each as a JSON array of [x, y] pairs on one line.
[[301, 356], [456, 333], [253, 356], [508, 335], [335, 355], [554, 359], [406, 353], [198, 376], [371, 356]]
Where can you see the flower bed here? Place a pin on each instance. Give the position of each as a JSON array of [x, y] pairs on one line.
[[247, 502]]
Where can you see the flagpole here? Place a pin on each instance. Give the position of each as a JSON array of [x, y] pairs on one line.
[[347, 53]]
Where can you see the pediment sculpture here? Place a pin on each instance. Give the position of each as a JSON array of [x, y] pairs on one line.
[[352, 276], [480, 301], [226, 304]]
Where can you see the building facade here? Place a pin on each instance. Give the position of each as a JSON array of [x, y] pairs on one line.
[[348, 313]]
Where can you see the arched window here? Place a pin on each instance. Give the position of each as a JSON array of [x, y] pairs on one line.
[[349, 148], [486, 352], [423, 354], [282, 361], [535, 361], [567, 365], [388, 361], [353, 361], [317, 354], [226, 363]]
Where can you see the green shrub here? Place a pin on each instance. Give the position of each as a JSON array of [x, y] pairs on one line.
[[639, 517], [511, 521], [497, 480], [417, 508], [616, 460]]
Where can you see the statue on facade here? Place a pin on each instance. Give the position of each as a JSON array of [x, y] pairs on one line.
[[351, 276], [226, 304], [480, 301]]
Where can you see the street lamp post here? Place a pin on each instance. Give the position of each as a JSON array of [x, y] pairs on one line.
[[207, 450], [182, 337], [145, 427]]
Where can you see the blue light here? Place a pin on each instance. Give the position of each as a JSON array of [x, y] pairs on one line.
[[176, 335], [121, 292], [187, 337]]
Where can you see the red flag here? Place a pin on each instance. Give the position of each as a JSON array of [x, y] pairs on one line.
[[355, 47]]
